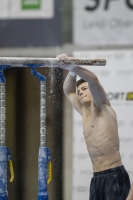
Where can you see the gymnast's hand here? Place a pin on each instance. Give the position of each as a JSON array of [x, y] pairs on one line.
[[65, 62]]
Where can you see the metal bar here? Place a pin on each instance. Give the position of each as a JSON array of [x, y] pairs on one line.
[[48, 62]]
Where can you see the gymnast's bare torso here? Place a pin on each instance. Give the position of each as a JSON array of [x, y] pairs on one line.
[[99, 119], [101, 137]]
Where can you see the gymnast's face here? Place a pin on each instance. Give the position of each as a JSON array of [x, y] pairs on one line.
[[84, 94]]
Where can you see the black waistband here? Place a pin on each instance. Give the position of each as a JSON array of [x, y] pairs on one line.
[[108, 171]]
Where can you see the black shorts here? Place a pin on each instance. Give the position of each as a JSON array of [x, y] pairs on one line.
[[111, 184]]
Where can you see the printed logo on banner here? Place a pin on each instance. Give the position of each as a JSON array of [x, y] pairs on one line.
[[103, 22], [27, 9], [120, 97], [102, 73], [81, 188], [120, 123], [129, 96], [74, 139], [126, 140], [82, 140], [131, 123], [130, 172], [78, 123], [131, 157], [81, 156], [83, 172], [122, 156], [86, 172], [115, 95], [124, 73], [31, 4]]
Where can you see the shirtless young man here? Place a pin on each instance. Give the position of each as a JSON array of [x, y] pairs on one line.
[[110, 180]]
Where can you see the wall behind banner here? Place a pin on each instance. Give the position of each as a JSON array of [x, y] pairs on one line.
[[116, 78]]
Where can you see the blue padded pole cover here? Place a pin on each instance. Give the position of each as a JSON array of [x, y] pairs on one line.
[[4, 155], [43, 159]]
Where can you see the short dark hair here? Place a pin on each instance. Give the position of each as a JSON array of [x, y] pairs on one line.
[[80, 81]]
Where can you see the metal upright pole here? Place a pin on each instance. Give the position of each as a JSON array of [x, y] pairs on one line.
[[44, 157], [5, 154], [44, 172]]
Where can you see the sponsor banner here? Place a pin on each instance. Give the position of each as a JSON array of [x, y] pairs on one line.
[[26, 9], [102, 22], [116, 78]]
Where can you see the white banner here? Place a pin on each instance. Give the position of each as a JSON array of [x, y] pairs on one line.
[[117, 80], [26, 9], [103, 22]]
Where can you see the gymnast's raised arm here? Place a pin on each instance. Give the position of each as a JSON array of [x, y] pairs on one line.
[[69, 88], [96, 89]]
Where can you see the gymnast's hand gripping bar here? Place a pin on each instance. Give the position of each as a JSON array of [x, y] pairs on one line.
[[48, 62]]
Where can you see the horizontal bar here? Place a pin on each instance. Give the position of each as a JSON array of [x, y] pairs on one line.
[[47, 62]]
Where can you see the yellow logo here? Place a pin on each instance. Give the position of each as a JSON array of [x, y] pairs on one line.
[[129, 96]]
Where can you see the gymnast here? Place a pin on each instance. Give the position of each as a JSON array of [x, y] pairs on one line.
[[110, 179]]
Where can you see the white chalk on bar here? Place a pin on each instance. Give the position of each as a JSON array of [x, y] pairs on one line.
[[48, 62]]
